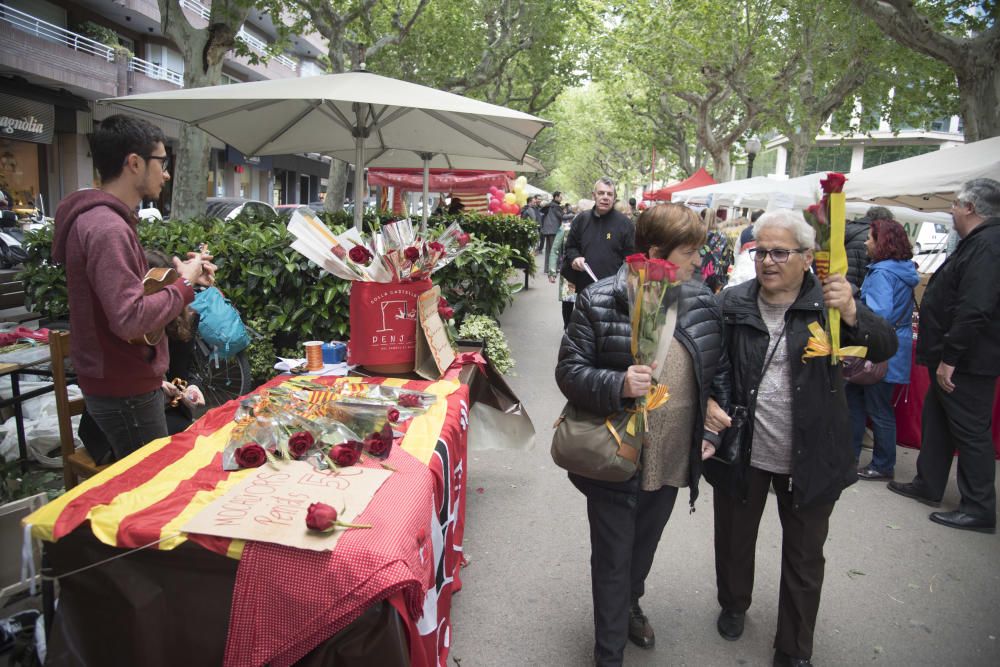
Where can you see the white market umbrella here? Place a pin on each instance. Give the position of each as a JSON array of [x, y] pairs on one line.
[[358, 112]]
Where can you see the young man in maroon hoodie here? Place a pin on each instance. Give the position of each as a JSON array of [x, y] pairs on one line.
[[95, 237]]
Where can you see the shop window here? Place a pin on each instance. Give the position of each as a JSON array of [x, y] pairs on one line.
[[828, 158], [19, 173], [876, 155]]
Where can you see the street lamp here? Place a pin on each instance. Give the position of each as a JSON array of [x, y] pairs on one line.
[[752, 148]]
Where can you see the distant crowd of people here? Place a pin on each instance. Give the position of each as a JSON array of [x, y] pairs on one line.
[[742, 325]]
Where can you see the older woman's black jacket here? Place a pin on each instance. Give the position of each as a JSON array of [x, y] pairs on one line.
[[596, 352], [823, 459]]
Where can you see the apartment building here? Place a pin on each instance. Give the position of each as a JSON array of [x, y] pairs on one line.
[[58, 59]]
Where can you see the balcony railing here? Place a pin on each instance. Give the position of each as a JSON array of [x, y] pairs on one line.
[[260, 46], [154, 71], [255, 43], [196, 7], [54, 33]]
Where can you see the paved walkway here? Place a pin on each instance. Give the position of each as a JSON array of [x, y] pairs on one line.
[[899, 589]]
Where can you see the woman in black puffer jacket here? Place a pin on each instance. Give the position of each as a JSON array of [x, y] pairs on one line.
[[596, 372]]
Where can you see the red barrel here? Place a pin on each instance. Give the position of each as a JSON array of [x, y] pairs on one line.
[[384, 325]]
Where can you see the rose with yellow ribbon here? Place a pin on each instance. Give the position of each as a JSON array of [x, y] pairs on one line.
[[819, 345]]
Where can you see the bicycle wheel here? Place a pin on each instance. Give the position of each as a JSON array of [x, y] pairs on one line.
[[220, 380]]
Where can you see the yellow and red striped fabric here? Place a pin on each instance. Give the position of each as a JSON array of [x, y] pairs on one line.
[[149, 495]]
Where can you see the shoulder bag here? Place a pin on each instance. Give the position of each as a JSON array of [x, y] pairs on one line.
[[860, 371], [600, 447], [728, 451]]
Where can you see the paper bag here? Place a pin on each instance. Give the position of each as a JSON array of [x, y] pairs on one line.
[[497, 418]]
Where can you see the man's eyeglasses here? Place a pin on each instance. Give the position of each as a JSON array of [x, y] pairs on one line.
[[164, 160], [777, 255]]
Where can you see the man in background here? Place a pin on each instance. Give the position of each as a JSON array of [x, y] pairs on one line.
[[959, 344], [599, 239]]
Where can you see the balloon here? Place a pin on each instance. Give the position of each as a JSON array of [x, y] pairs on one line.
[[509, 198], [520, 182], [511, 208], [495, 205], [495, 192], [522, 198]]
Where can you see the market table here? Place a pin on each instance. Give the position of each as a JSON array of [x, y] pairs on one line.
[[909, 406], [382, 596]]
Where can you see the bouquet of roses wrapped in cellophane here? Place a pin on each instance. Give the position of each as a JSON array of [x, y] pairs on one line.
[[652, 287], [828, 219], [397, 253]]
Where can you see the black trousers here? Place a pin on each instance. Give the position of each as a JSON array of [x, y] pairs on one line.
[[961, 420], [624, 531], [803, 532]]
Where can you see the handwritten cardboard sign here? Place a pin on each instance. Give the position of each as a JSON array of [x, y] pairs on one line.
[[434, 352], [270, 505]]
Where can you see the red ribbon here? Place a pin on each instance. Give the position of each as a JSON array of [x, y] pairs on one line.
[[465, 359]]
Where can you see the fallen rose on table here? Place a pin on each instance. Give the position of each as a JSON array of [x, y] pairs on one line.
[[322, 518]]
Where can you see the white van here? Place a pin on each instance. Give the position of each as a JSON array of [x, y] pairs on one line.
[[930, 237]]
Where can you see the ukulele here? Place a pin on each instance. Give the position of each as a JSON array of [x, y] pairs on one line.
[[156, 279]]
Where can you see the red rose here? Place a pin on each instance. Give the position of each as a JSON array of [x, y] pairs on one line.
[[636, 262], [442, 302], [250, 456], [409, 400], [446, 312], [411, 254], [393, 415], [378, 444], [299, 443], [320, 516], [834, 182], [360, 255], [463, 240], [435, 246], [347, 453], [661, 269]]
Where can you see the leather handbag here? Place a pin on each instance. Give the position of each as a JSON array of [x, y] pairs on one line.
[[858, 370], [596, 447], [730, 447], [728, 451]]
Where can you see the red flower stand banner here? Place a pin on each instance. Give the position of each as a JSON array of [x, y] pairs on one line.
[[909, 402]]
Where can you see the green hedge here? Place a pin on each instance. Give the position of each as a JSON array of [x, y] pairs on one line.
[[281, 293]]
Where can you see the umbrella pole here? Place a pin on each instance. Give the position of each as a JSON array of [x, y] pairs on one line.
[[426, 157], [359, 167]]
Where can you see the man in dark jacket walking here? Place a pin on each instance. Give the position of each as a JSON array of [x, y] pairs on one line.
[[960, 345], [855, 235], [549, 222], [599, 239]]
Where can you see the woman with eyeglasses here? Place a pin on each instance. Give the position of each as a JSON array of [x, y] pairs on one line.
[[797, 434]]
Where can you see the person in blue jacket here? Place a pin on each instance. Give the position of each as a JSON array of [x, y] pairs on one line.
[[888, 290]]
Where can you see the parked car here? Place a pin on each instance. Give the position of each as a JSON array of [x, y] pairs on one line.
[[930, 237], [286, 210], [227, 208]]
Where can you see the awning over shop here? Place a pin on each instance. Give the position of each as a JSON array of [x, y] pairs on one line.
[[696, 180], [441, 180]]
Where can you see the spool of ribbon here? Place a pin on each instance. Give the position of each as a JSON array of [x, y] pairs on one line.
[[819, 345]]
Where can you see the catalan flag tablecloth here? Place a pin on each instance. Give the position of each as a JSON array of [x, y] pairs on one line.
[[287, 601]]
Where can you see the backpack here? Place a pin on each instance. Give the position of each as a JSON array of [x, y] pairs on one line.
[[220, 325]]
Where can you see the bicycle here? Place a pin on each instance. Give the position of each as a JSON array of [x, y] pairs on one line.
[[220, 379]]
